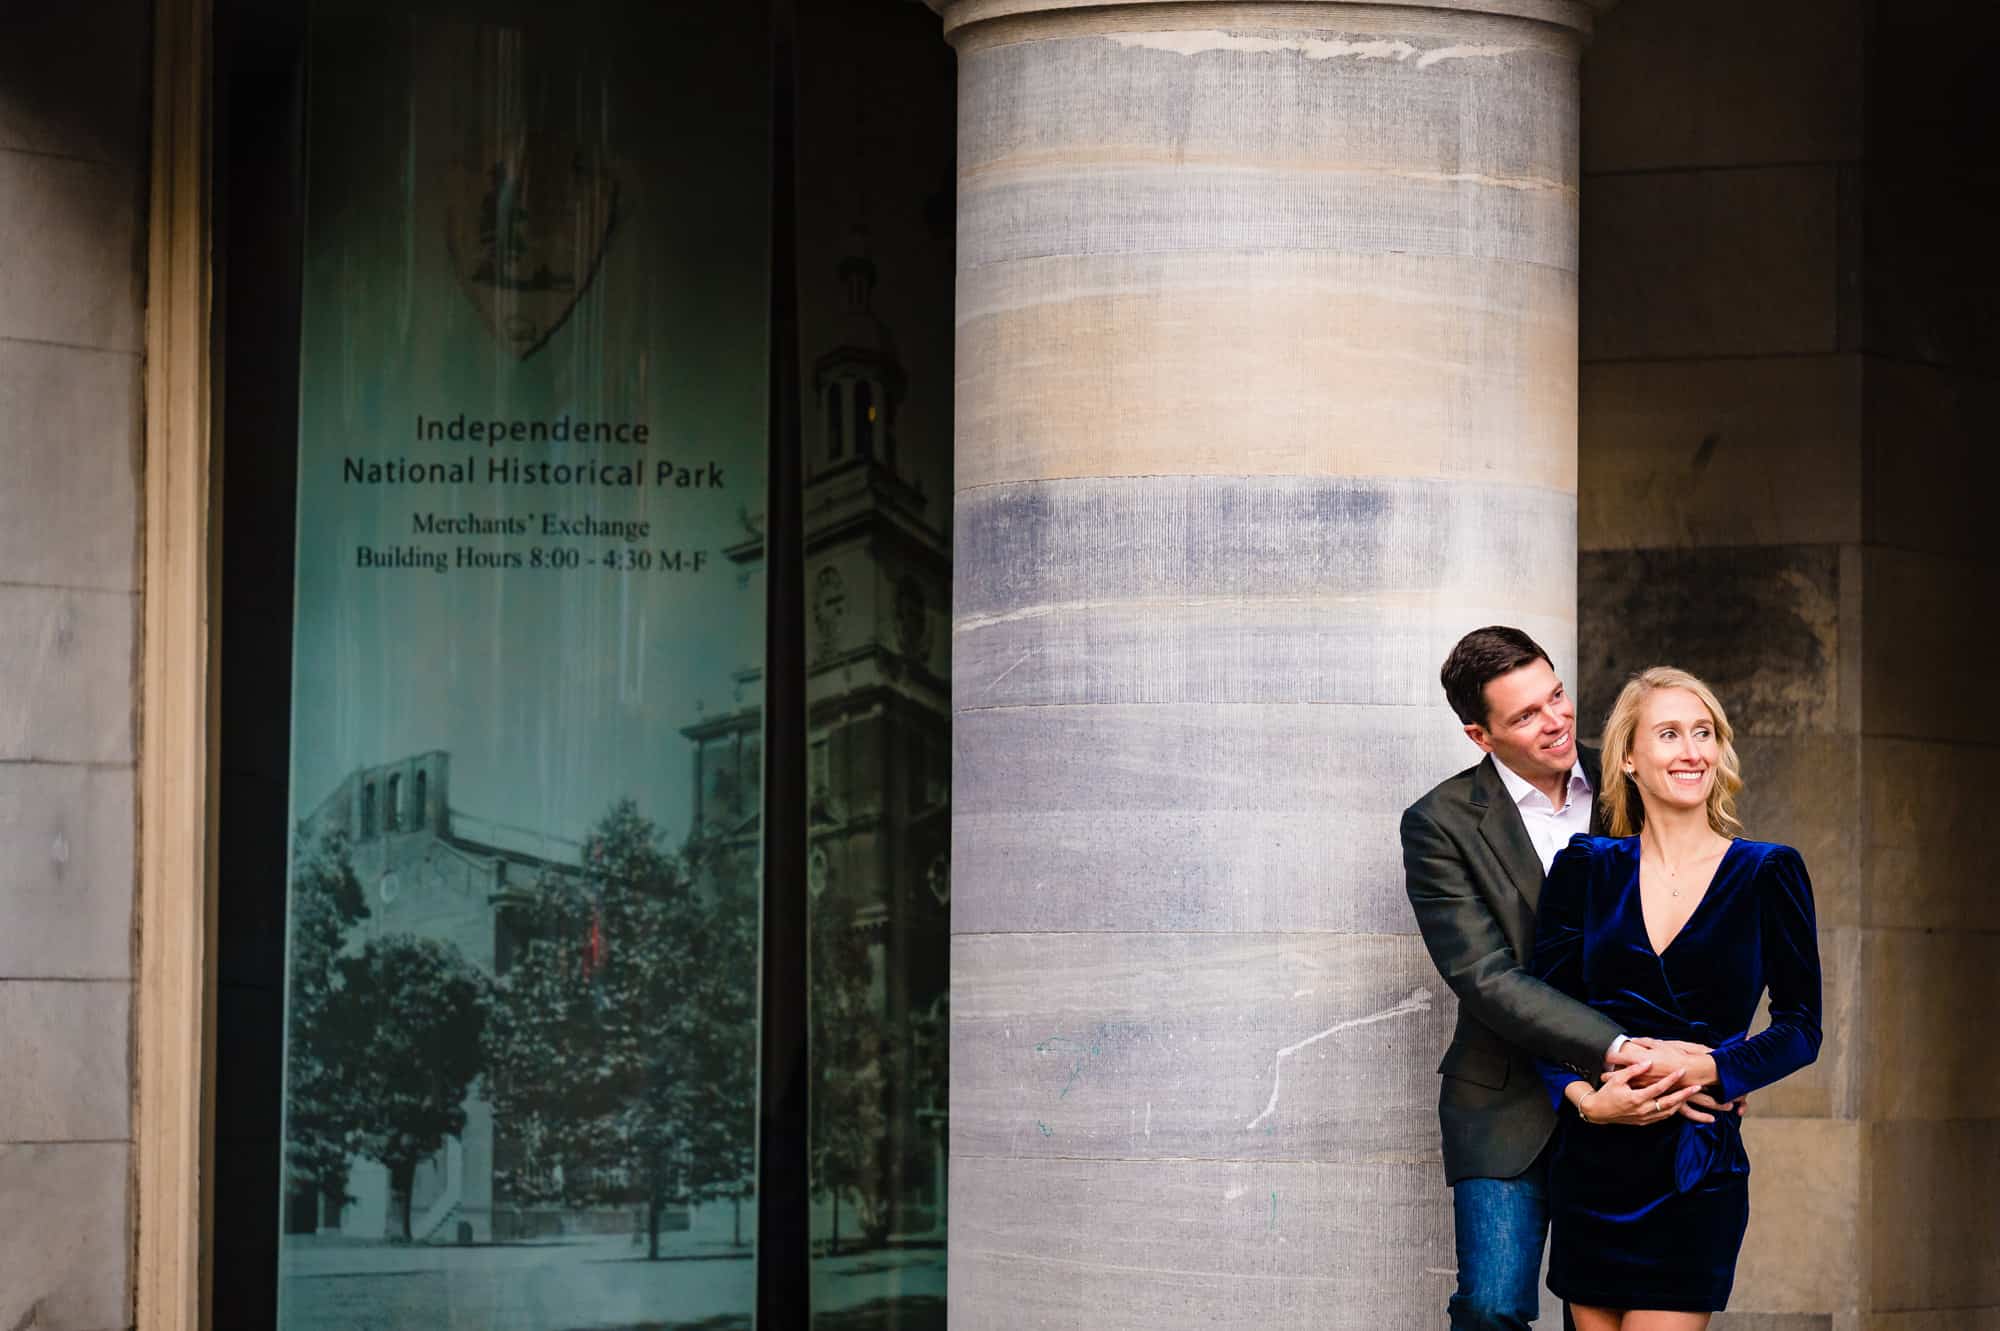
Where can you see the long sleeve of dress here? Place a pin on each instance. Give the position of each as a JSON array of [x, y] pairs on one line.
[[1558, 955], [1788, 945]]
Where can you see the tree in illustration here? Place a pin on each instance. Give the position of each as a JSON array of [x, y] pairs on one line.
[[924, 1081], [326, 903], [411, 1015], [722, 1151], [624, 1034], [849, 1123], [550, 1091], [646, 977]]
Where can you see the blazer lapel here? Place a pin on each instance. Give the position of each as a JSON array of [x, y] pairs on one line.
[[1504, 831]]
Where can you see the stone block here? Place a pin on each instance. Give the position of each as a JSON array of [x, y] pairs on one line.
[[1681, 83], [1237, 206], [1316, 648], [68, 659], [1157, 132], [66, 1236], [1802, 790], [1933, 635], [1927, 293], [82, 223], [1184, 817], [1765, 451], [1934, 1190], [69, 513], [1761, 625], [1801, 1254], [67, 1048], [1711, 263], [1139, 1245], [1316, 1048], [1923, 993], [1824, 1088], [1266, 363], [67, 880], [1924, 104], [1929, 462], [76, 80], [1928, 862], [1773, 1322], [1244, 589], [1938, 1319]]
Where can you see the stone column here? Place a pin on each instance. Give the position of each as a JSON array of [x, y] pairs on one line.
[[1266, 391]]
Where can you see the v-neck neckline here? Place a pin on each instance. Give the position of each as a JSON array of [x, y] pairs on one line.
[[1639, 892]]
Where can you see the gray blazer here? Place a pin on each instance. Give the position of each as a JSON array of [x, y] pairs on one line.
[[1474, 878]]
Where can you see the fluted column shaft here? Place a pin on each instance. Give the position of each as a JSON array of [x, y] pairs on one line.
[[1266, 391]]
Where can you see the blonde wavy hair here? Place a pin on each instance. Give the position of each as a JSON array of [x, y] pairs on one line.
[[1624, 814]]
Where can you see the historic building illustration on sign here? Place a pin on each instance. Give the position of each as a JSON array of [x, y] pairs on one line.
[[878, 582], [434, 872]]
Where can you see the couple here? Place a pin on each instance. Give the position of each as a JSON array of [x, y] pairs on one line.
[[1606, 984]]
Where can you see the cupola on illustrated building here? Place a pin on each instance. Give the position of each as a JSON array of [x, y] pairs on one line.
[[877, 586]]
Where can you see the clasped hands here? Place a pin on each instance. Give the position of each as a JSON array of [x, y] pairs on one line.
[[1650, 1081]]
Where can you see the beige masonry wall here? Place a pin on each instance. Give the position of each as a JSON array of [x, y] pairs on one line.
[[1783, 382], [1930, 865], [73, 114]]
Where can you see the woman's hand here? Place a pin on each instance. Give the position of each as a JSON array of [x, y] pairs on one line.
[[1618, 1100], [1695, 1062]]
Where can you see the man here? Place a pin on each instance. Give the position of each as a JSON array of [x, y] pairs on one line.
[[1475, 852]]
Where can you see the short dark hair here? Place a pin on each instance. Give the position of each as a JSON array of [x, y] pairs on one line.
[[1481, 657]]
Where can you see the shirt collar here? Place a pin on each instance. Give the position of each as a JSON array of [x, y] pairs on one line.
[[1519, 790]]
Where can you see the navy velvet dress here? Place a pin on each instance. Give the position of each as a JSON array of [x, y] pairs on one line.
[[1652, 1217]]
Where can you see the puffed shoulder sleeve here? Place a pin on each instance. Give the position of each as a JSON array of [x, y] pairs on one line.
[[1559, 938], [1788, 950]]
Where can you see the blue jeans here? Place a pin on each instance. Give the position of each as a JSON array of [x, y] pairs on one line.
[[1500, 1224]]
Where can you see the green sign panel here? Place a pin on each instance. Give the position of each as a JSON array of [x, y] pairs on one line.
[[520, 1015]]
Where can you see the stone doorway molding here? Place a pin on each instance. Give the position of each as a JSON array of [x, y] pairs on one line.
[[175, 1020]]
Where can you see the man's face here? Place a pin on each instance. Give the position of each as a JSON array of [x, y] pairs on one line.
[[1530, 722]]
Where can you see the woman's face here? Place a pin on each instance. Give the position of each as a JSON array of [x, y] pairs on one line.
[[1674, 751]]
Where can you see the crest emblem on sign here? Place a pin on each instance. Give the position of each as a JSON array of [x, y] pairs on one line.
[[527, 231]]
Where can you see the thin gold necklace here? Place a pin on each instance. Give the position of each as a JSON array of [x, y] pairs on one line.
[[1660, 858]]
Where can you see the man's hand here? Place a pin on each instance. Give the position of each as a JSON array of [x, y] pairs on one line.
[[1622, 1100], [1694, 1061]]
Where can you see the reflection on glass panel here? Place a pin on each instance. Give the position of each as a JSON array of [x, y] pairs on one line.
[[522, 949], [876, 98]]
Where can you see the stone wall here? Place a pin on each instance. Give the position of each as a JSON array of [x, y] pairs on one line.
[[1929, 920], [73, 155], [1786, 345]]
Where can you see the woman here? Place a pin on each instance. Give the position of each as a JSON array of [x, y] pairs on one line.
[[1673, 925]]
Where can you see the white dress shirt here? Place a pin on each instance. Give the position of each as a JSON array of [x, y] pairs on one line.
[[1550, 828]]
